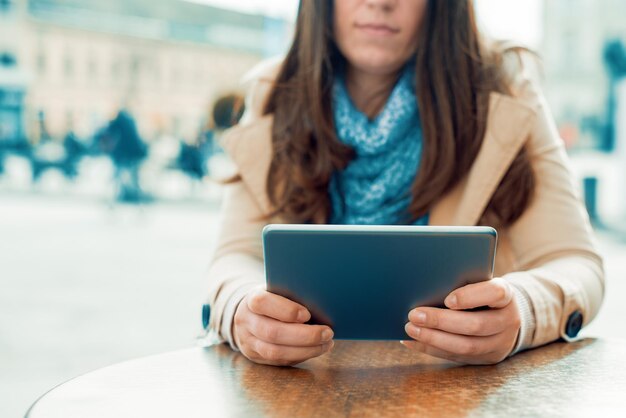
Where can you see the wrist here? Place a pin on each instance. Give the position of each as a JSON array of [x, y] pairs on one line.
[[527, 320], [233, 331], [227, 327]]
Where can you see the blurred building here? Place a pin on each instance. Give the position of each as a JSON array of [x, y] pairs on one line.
[[12, 76], [576, 33], [582, 49], [165, 60]]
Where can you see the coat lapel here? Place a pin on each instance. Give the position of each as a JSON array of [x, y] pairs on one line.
[[508, 128], [250, 148]]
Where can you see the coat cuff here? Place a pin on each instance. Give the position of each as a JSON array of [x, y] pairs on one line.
[[527, 316], [229, 313]]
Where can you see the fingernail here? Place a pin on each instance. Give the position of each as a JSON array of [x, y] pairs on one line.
[[451, 301], [412, 330], [416, 331], [327, 335], [420, 317], [303, 316]]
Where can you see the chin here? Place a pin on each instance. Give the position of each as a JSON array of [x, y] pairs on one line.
[[378, 62]]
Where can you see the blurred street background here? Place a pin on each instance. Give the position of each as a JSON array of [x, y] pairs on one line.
[[110, 112]]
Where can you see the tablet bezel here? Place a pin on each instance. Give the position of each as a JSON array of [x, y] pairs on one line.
[[481, 232]]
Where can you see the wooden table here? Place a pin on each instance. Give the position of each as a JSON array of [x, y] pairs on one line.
[[587, 378]]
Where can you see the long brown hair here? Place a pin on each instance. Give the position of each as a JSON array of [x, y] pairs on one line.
[[455, 73]]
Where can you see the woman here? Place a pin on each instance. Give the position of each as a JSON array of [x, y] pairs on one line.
[[397, 112]]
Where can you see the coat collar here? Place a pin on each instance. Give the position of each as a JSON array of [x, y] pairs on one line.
[[250, 148], [508, 127]]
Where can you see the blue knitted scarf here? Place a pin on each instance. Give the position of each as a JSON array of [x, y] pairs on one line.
[[374, 189]]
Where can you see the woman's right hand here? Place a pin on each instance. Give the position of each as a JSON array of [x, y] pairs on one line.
[[271, 329]]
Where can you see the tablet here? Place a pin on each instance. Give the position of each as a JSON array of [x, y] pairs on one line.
[[362, 281]]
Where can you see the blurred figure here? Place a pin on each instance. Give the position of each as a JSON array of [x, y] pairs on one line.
[[41, 128], [4, 140], [615, 61], [126, 149], [615, 131], [74, 152], [208, 145], [192, 158], [46, 153], [227, 110], [2, 153]]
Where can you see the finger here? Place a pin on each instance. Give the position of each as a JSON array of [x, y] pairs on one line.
[[283, 333], [283, 355], [262, 302], [480, 323], [434, 352], [462, 345], [495, 293], [245, 346]]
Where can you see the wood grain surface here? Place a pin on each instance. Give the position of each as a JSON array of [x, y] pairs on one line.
[[586, 378]]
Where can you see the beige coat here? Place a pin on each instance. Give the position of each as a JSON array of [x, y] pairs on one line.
[[549, 254]]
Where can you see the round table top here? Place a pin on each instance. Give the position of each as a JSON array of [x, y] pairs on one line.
[[356, 379]]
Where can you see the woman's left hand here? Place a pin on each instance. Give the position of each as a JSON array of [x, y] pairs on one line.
[[470, 337]]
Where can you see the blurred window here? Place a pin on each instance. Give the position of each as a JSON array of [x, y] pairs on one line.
[[174, 76], [135, 64], [156, 74], [68, 66], [69, 119], [92, 67], [116, 70], [41, 63], [176, 124]]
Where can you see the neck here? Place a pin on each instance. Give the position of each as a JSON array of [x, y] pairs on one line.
[[369, 92]]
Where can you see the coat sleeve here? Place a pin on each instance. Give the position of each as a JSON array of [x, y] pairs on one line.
[[560, 274], [237, 264]]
